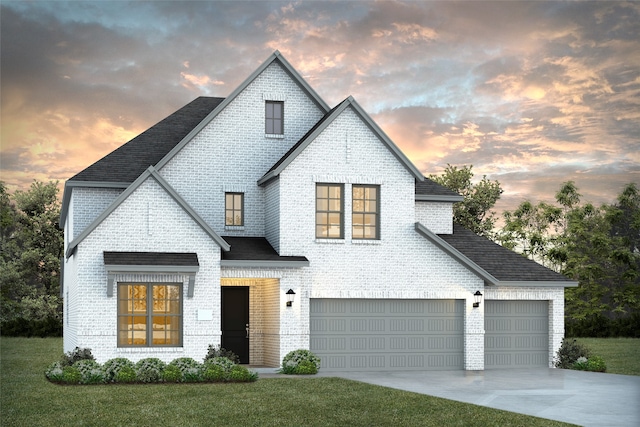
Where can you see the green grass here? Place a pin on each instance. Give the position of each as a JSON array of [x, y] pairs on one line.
[[620, 354], [28, 399]]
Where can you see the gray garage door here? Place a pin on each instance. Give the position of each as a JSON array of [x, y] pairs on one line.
[[367, 335], [516, 334]]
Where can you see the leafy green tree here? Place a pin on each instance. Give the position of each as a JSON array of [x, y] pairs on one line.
[[529, 230], [32, 246], [599, 247], [474, 212]]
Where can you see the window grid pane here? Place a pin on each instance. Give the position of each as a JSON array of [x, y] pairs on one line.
[[365, 218], [234, 212], [329, 211], [149, 314], [274, 117]]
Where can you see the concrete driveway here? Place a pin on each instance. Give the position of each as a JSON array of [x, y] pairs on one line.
[[583, 398]]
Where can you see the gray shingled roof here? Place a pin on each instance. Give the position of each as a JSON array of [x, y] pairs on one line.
[[503, 264], [151, 258], [129, 161], [254, 249], [430, 187]]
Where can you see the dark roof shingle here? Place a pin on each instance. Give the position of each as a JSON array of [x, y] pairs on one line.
[[151, 258], [502, 263], [429, 187], [254, 249], [130, 160]]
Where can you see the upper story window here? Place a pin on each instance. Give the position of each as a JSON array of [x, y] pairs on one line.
[[274, 118], [365, 216], [234, 209], [329, 211], [149, 314]]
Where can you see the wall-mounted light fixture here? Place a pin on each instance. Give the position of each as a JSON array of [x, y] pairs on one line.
[[290, 297], [477, 298]]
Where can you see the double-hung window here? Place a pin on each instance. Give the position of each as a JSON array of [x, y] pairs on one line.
[[274, 117], [149, 314], [329, 211], [234, 209], [365, 216]]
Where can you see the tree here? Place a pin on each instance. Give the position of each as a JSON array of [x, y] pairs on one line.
[[529, 231], [474, 212], [32, 246], [599, 247]]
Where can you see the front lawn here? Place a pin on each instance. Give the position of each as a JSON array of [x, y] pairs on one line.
[[28, 399], [620, 354]]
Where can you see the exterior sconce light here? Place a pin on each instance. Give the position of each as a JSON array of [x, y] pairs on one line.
[[290, 297], [478, 299]]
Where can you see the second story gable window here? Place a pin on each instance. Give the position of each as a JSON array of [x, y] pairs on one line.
[[329, 211], [365, 216], [234, 209], [274, 118]]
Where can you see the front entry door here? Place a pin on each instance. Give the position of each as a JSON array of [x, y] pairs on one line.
[[235, 321]]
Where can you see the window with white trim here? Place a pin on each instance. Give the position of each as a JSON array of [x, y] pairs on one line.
[[274, 118]]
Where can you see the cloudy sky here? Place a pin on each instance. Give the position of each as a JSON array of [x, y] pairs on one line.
[[531, 94]]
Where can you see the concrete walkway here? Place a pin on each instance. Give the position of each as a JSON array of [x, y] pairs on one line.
[[583, 398]]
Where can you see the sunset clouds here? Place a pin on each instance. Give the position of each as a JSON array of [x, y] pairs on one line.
[[531, 93]]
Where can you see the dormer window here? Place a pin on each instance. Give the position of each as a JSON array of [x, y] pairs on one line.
[[274, 117]]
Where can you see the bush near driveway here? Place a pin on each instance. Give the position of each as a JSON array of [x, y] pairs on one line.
[[28, 399]]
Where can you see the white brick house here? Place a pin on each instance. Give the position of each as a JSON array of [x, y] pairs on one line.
[[193, 232]]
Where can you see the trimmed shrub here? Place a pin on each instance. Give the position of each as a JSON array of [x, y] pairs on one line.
[[190, 370], [300, 362], [91, 371], [77, 354], [218, 351], [113, 366], [126, 374], [596, 364], [150, 370], [214, 373], [54, 372], [172, 374], [71, 375], [241, 374], [569, 353]]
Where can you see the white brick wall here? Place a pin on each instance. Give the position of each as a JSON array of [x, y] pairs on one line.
[[436, 216], [127, 229], [233, 151], [231, 154]]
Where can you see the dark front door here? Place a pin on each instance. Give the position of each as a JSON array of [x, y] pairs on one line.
[[235, 320]]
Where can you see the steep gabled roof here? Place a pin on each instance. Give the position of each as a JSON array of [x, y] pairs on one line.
[[322, 124], [493, 263], [130, 160], [275, 57], [151, 172], [430, 191]]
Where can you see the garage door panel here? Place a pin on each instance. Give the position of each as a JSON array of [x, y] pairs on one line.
[[516, 334], [388, 334]]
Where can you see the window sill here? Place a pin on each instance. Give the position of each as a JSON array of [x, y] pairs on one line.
[[331, 241], [234, 227], [274, 135], [366, 241], [132, 350]]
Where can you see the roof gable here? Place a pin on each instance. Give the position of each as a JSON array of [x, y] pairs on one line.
[[322, 124], [152, 173], [274, 57]]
